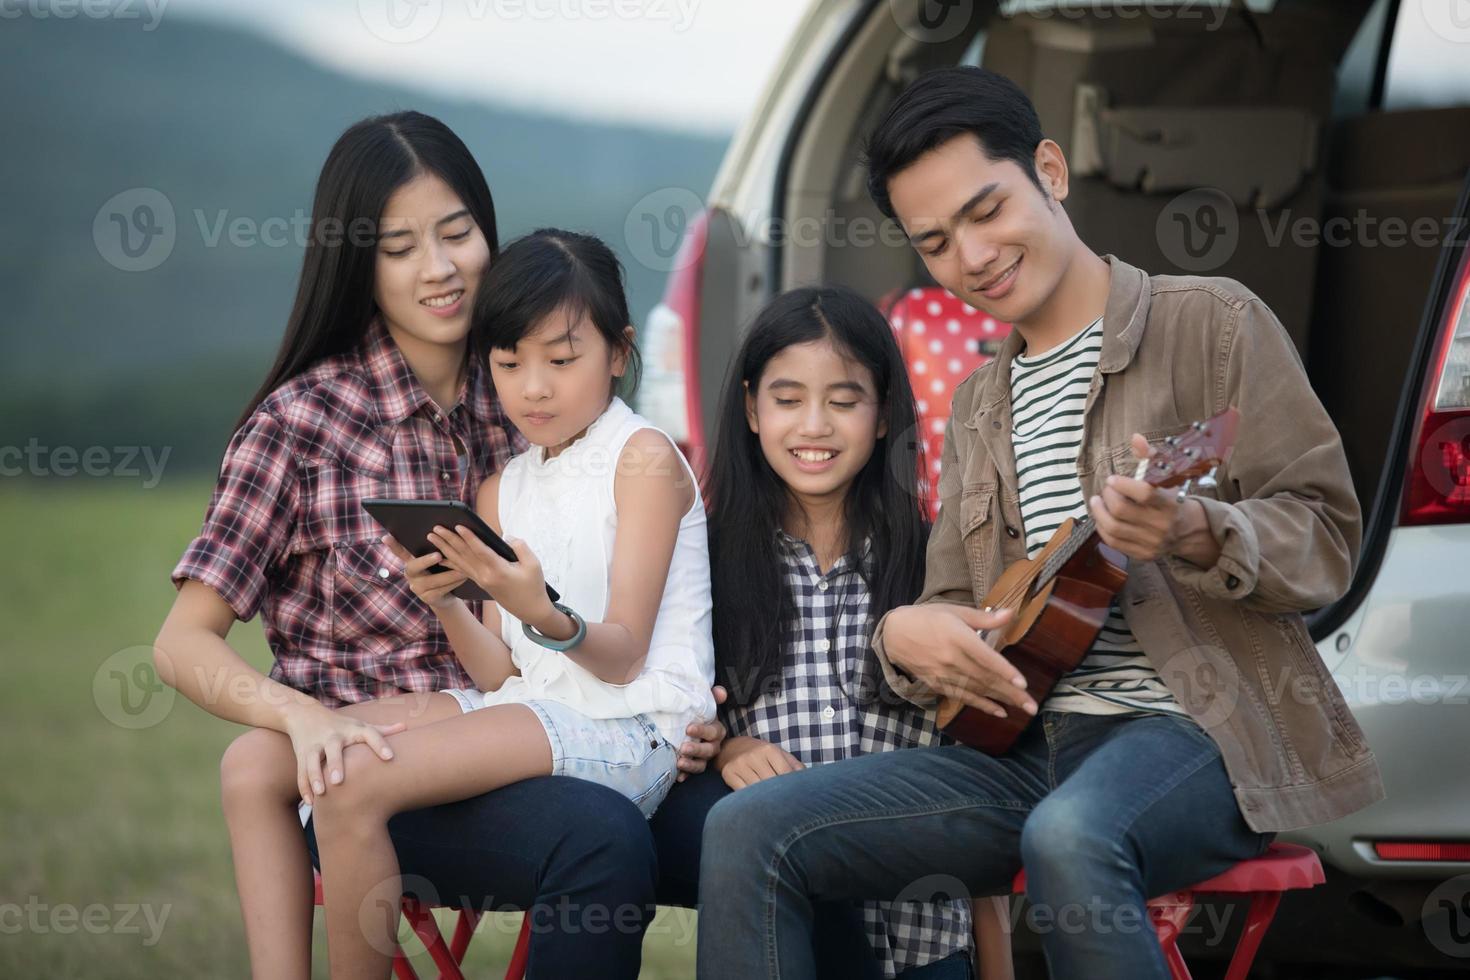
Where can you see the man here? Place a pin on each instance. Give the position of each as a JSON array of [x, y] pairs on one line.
[[1137, 776]]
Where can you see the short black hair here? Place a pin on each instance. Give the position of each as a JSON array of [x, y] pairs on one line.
[[548, 270], [946, 103]]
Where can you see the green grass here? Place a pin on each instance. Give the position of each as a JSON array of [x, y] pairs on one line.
[[98, 818]]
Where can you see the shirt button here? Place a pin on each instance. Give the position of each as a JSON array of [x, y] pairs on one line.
[[822, 586], [824, 645], [1010, 531], [382, 573], [1231, 582], [829, 712], [445, 476]]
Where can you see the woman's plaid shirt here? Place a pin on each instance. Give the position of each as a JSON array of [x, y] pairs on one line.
[[285, 533], [830, 706]]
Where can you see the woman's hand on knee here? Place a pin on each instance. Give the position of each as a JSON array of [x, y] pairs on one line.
[[318, 736]]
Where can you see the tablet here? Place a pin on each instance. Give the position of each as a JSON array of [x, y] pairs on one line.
[[410, 521]]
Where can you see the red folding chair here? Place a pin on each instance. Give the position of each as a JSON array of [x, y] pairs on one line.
[[448, 956], [1283, 867]]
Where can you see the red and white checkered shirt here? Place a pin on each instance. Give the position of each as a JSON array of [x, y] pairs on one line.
[[286, 535]]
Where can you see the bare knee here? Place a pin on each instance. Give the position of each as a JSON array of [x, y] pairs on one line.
[[257, 769], [359, 799]]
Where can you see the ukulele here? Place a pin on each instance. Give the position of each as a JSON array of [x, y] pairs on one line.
[[1061, 596]]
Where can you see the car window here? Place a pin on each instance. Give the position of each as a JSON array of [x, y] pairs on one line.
[[1429, 63]]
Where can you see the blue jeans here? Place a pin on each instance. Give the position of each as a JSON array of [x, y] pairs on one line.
[[839, 940], [1104, 812], [576, 855]]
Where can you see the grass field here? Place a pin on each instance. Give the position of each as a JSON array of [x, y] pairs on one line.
[[115, 861]]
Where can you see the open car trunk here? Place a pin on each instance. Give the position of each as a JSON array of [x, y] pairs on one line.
[[1213, 144]]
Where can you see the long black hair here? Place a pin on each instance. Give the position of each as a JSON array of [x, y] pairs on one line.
[[372, 159], [547, 271], [748, 501]]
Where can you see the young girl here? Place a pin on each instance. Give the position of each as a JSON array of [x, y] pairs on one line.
[[816, 531]]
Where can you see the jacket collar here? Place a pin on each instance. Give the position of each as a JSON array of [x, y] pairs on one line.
[[1124, 319]]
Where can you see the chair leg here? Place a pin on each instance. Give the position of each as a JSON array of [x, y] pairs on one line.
[[1175, 961], [402, 969], [1169, 914], [517, 968], [1258, 920], [464, 931], [427, 929]]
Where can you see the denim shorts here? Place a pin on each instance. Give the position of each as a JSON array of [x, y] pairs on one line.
[[624, 754]]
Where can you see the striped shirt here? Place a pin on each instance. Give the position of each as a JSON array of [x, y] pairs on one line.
[[1048, 399], [831, 706]]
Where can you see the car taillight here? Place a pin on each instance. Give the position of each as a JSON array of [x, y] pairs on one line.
[[669, 395], [1438, 490], [1421, 851]]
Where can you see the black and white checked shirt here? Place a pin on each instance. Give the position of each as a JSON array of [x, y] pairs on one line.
[[828, 709]]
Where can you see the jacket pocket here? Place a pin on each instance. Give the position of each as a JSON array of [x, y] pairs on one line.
[[372, 605], [1319, 682], [977, 530]]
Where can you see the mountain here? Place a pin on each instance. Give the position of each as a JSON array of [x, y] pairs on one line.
[[226, 125]]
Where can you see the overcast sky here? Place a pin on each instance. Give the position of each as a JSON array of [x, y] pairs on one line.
[[686, 64]]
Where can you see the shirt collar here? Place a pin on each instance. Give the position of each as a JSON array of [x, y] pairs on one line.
[[397, 391], [797, 548]]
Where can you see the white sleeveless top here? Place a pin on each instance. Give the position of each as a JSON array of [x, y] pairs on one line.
[[564, 509]]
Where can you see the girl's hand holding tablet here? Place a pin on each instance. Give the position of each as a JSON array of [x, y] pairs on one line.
[[433, 588], [519, 587]]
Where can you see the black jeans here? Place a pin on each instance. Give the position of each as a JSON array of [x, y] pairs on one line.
[[577, 855]]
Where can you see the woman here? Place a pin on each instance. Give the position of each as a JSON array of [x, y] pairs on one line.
[[373, 395]]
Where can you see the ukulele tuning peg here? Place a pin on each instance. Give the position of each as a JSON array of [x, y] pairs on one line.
[[1197, 426], [1183, 492], [1207, 482], [1171, 441]]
